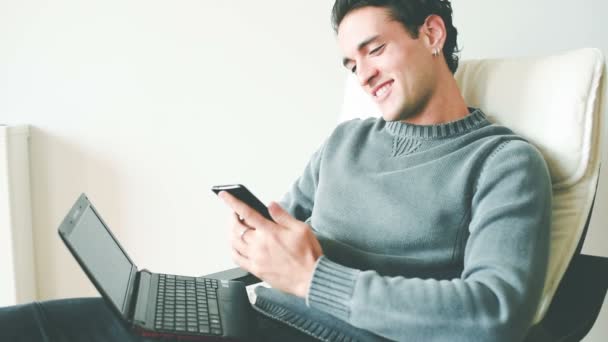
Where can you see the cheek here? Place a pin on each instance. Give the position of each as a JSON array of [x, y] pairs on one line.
[[404, 83], [390, 63], [413, 79], [396, 68]]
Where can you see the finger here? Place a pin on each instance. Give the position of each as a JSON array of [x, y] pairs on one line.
[[281, 216], [240, 246], [239, 241], [237, 229], [240, 260], [253, 218], [238, 222]]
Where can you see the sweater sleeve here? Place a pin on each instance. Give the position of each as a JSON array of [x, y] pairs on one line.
[[505, 263], [299, 200]]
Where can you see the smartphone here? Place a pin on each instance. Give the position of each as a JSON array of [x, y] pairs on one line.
[[241, 192]]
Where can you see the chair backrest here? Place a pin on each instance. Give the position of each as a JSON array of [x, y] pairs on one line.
[[556, 103]]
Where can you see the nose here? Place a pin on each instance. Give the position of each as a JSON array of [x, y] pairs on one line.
[[366, 73]]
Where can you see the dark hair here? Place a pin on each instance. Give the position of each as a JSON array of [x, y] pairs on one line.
[[411, 14]]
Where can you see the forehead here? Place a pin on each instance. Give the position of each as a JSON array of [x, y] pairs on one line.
[[363, 23]]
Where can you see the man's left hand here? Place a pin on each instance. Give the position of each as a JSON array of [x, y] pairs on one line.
[[282, 253]]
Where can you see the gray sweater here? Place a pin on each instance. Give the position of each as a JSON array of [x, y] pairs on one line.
[[430, 233]]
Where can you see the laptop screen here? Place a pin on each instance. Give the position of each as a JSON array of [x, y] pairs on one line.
[[101, 256]]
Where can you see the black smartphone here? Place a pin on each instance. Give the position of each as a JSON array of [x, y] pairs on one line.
[[241, 192]]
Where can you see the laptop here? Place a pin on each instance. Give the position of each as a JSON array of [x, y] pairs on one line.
[[153, 304]]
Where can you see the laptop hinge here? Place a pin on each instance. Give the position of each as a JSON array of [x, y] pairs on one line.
[[140, 308], [131, 301]]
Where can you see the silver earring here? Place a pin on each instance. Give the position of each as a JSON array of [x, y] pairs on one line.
[[436, 52]]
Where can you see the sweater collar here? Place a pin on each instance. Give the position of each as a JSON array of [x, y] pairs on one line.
[[474, 119]]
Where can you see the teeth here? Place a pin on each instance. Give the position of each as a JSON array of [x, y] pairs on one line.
[[382, 90]]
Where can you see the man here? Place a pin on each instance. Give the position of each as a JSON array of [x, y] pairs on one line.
[[428, 224]]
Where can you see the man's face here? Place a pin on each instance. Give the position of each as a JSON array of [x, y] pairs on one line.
[[393, 68]]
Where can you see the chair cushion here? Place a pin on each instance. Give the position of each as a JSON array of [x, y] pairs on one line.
[[555, 103]]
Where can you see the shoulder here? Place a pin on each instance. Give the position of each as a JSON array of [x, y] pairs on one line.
[[356, 128], [515, 149], [500, 144], [516, 158], [358, 124]]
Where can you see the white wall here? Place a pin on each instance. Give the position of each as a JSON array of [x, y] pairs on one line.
[[144, 104]]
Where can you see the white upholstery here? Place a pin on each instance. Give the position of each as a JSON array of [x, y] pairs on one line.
[[554, 102]]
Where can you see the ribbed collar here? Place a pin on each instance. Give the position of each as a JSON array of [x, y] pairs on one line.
[[474, 119]]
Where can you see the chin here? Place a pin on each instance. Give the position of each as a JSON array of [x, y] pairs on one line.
[[392, 111], [403, 113], [390, 115]]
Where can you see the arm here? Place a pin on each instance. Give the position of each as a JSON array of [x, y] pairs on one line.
[[504, 267], [299, 200]]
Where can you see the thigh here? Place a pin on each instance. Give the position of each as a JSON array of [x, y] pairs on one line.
[[66, 320], [90, 319], [84, 319]]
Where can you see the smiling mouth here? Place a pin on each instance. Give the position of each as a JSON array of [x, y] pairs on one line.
[[381, 92]]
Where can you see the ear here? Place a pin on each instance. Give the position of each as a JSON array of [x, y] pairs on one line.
[[434, 32]]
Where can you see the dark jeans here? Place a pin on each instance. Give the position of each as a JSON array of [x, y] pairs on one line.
[[90, 319]]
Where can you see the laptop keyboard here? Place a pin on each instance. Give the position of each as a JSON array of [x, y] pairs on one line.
[[187, 304]]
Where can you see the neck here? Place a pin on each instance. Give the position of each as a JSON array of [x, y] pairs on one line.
[[446, 104]]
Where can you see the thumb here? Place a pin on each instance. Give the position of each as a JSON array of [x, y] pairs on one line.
[[280, 216]]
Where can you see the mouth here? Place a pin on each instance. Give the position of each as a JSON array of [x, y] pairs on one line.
[[382, 91]]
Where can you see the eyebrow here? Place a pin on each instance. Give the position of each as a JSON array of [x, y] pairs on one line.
[[360, 47]]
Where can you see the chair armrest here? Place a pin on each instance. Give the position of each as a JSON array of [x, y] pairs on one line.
[[576, 303], [235, 274]]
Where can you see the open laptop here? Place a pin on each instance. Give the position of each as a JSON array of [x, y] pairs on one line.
[[154, 305]]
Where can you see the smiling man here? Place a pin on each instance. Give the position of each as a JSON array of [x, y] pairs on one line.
[[428, 224]]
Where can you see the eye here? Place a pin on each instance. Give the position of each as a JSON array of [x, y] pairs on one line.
[[377, 50], [353, 69]]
